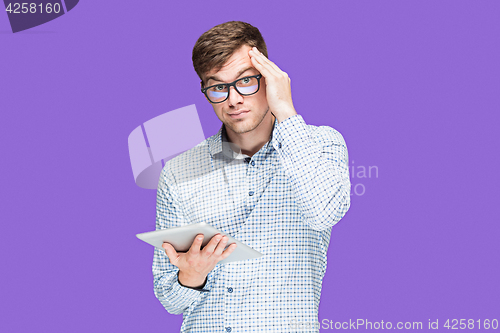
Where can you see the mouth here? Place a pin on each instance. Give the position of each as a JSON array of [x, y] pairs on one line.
[[238, 114]]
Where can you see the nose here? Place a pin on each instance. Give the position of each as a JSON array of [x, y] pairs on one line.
[[234, 97]]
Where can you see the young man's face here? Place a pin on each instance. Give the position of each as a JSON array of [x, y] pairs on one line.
[[240, 114]]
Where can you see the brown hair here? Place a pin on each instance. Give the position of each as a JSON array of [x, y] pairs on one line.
[[214, 48]]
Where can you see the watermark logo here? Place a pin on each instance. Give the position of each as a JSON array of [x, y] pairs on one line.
[[359, 173], [26, 15], [157, 141]]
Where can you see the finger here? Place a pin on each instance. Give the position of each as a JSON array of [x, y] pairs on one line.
[[220, 247], [210, 248], [266, 60], [261, 61], [254, 53], [271, 64], [264, 70], [275, 70], [229, 250], [195, 247], [172, 255]]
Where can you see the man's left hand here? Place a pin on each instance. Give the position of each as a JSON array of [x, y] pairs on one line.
[[278, 89]]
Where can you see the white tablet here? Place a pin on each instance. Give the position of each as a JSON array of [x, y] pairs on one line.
[[181, 239]]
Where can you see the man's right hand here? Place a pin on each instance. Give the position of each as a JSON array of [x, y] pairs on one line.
[[195, 264]]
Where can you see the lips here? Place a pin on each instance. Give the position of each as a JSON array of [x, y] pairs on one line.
[[238, 114]]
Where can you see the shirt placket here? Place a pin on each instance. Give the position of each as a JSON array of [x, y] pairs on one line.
[[253, 193], [239, 188], [230, 304]]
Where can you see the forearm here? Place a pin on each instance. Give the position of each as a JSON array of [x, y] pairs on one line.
[[318, 170], [172, 295], [175, 297]]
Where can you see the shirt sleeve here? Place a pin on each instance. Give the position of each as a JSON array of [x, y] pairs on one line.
[[316, 162], [173, 296]]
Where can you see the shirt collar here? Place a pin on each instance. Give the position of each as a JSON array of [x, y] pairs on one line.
[[220, 144]]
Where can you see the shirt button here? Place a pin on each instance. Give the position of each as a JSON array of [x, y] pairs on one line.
[[250, 193], [229, 290], [228, 329], [279, 145], [253, 163]]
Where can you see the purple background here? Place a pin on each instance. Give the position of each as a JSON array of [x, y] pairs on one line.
[[413, 86]]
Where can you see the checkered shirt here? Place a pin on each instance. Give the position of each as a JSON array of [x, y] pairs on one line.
[[283, 202]]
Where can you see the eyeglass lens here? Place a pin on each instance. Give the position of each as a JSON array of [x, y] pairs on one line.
[[245, 86]]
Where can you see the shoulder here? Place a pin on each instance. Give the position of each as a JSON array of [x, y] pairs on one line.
[[320, 134], [325, 134], [294, 130], [190, 164]]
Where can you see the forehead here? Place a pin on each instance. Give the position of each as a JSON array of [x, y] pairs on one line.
[[239, 61]]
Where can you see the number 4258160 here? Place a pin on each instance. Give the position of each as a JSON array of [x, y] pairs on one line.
[[23, 8], [455, 324]]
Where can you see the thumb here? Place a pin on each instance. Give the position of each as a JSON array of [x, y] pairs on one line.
[[172, 255]]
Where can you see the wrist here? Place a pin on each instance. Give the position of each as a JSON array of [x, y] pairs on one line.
[[285, 114], [191, 282]]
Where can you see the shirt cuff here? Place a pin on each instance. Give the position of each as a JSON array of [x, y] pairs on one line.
[[197, 289]]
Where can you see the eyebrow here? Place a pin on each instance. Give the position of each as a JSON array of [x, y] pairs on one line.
[[215, 78]]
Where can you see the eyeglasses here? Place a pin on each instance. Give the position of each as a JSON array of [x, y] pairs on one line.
[[245, 86]]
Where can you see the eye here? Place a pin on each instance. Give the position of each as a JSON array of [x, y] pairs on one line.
[[245, 80], [220, 87]]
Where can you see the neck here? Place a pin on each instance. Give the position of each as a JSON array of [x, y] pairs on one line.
[[252, 141]]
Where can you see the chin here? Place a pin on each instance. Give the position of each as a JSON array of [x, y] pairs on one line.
[[241, 127]]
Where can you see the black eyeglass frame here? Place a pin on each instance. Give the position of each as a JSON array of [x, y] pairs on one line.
[[232, 84]]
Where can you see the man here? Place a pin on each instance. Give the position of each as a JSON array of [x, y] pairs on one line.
[[267, 179]]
